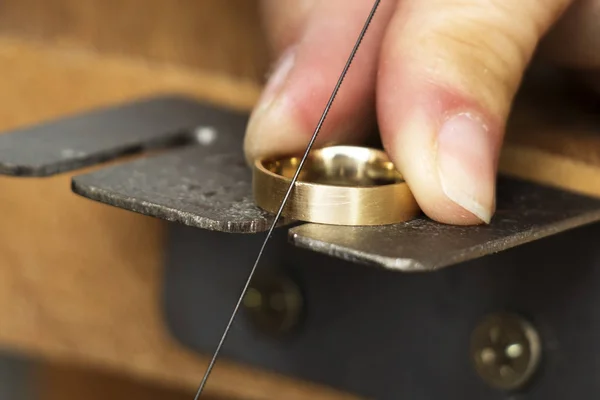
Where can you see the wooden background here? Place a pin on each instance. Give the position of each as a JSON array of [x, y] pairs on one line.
[[79, 281]]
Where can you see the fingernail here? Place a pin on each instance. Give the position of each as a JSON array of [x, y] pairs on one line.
[[271, 127], [277, 78], [466, 161]]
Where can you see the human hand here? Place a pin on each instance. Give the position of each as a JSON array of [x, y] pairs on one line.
[[437, 76]]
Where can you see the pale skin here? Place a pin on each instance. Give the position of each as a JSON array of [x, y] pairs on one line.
[[438, 77]]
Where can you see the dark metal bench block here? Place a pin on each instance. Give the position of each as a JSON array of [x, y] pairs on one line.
[[525, 212], [210, 188], [367, 330], [207, 187], [385, 335], [100, 135]]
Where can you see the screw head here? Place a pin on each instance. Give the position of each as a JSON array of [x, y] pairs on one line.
[[274, 304], [505, 350]]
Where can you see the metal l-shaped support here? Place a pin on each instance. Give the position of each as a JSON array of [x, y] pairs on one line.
[[369, 331]]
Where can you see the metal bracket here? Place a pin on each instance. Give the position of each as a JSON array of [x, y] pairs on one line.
[[525, 213], [418, 324], [383, 335], [206, 184], [96, 136]]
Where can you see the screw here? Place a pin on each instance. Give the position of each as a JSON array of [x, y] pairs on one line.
[[505, 350], [274, 304]]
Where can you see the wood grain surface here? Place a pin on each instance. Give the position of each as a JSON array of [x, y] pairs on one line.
[[66, 382], [555, 142], [80, 281], [214, 35]]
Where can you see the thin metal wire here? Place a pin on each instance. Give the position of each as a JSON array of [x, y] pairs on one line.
[[287, 195]]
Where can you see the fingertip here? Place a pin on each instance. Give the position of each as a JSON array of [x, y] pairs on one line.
[[446, 84], [415, 151], [272, 131], [272, 127]]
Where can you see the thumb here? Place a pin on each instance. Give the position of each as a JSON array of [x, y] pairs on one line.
[[447, 78]]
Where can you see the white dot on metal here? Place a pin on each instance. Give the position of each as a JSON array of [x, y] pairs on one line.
[[205, 135], [514, 350]]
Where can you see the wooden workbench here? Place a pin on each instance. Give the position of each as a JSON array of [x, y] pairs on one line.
[[80, 281]]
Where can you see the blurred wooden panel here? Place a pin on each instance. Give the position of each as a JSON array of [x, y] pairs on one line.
[[62, 382], [80, 281], [218, 35], [40, 82]]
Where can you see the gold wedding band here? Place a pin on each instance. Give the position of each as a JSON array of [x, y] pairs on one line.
[[338, 185]]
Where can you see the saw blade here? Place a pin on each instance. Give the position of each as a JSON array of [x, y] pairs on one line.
[[287, 195]]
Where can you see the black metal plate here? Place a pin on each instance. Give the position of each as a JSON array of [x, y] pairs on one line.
[[525, 212], [206, 187], [96, 136], [210, 188], [384, 335]]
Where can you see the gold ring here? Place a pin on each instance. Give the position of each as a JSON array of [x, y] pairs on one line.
[[338, 185]]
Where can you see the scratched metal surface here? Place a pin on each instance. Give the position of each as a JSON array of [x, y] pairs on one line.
[[525, 212], [205, 187], [89, 138], [210, 188]]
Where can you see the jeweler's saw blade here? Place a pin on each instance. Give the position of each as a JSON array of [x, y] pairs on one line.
[[287, 194]]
